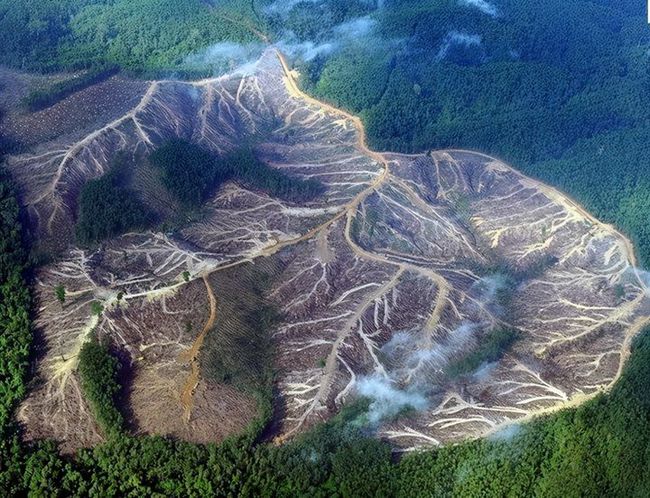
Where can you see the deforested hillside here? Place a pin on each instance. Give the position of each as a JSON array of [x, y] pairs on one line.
[[452, 292], [284, 248]]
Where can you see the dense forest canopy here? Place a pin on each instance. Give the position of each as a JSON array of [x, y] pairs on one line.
[[558, 88], [192, 173], [108, 208], [139, 36], [98, 371], [15, 336]]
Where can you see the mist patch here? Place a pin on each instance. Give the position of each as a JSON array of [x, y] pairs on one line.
[[482, 5]]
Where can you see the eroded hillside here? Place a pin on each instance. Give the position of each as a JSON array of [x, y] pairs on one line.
[[389, 286]]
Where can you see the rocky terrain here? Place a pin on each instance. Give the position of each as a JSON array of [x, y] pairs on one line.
[[403, 269]]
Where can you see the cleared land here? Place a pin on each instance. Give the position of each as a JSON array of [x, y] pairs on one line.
[[403, 267]]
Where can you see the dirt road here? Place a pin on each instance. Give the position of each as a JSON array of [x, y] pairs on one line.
[[191, 355]]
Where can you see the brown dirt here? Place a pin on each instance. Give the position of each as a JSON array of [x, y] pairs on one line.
[[191, 356]]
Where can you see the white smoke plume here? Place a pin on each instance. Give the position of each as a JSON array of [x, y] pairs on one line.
[[484, 372], [489, 286], [457, 38], [482, 5], [439, 355], [387, 400], [401, 350], [385, 392], [347, 33], [283, 7], [227, 57], [487, 290], [507, 433], [415, 371], [634, 275]]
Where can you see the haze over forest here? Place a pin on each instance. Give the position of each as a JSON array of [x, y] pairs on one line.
[[324, 248]]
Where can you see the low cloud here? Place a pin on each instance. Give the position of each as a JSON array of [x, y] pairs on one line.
[[306, 51], [387, 400], [507, 433], [283, 7], [226, 57], [359, 30], [482, 5], [456, 38], [356, 28]]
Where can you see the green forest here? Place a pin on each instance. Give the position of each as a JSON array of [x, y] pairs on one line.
[[556, 88], [493, 346], [108, 208], [191, 174], [140, 37], [98, 372], [15, 339]]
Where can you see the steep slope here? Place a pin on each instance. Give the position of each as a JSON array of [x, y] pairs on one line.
[[386, 284]]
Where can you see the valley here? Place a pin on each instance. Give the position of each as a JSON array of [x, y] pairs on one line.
[[405, 265]]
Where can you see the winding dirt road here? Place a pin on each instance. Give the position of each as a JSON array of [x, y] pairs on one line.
[[349, 211], [191, 355]]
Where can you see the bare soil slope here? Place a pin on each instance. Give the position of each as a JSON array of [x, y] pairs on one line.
[[397, 273]]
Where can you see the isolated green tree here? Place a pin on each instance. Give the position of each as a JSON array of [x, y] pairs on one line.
[[59, 291], [96, 308]]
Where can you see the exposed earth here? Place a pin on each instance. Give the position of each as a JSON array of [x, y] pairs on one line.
[[404, 267]]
